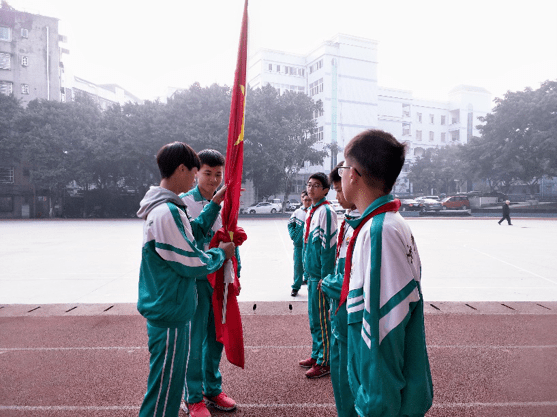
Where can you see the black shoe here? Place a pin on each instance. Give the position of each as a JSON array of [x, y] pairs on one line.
[[294, 293]]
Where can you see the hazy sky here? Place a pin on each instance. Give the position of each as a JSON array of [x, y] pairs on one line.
[[426, 46]]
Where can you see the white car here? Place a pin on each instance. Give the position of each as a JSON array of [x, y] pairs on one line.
[[263, 208], [337, 207]]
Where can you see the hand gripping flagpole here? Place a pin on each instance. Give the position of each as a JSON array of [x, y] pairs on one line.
[[228, 324]]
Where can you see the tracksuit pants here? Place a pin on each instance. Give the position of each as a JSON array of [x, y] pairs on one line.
[[167, 368], [298, 268], [319, 323], [202, 374]]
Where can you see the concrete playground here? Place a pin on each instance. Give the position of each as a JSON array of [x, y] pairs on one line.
[[72, 343]]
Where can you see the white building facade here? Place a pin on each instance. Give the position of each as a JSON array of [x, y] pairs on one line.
[[342, 73]]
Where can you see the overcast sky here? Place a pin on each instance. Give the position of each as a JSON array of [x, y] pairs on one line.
[[426, 46]]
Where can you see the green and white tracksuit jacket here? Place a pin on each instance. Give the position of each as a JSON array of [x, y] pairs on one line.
[[332, 286], [202, 373], [296, 232], [167, 298], [388, 365], [319, 261]]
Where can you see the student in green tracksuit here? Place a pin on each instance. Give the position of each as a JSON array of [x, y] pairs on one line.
[[170, 263], [296, 232], [388, 366], [203, 377], [320, 236], [331, 285]]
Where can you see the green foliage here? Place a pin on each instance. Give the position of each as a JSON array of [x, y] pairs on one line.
[[111, 154], [518, 143], [10, 146], [279, 138]]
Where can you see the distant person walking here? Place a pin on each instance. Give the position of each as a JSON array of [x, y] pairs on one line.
[[506, 213]]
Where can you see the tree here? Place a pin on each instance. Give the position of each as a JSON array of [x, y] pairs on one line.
[[519, 137], [279, 138], [10, 144], [439, 170]]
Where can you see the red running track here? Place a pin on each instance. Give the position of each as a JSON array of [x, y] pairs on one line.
[[487, 359]]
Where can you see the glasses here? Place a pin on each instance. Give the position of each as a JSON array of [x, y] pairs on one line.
[[345, 168], [314, 185]]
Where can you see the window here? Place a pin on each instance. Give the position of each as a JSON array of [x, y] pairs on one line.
[[419, 117], [443, 120], [278, 68], [455, 136], [24, 33], [24, 88], [7, 175], [443, 137], [24, 61], [406, 110], [6, 87], [406, 129], [431, 118], [316, 87], [301, 90], [5, 34], [4, 61], [419, 135], [301, 72], [316, 66], [6, 204], [319, 133], [270, 67], [431, 136]]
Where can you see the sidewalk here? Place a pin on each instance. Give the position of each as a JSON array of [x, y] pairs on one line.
[[487, 359]]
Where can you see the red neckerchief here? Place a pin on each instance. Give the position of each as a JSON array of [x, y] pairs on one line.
[[308, 219], [341, 237], [390, 206]]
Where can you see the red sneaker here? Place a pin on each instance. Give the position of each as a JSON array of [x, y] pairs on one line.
[[221, 402], [307, 363], [317, 371], [195, 410]]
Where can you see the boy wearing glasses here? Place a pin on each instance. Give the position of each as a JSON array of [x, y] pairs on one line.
[[388, 366], [296, 232], [320, 232]]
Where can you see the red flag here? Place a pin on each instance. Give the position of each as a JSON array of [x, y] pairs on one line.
[[229, 331]]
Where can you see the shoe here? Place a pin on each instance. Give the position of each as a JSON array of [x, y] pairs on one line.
[[294, 293], [221, 402], [307, 363], [317, 371], [195, 410]]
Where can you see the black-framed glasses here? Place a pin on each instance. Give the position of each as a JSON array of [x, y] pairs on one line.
[[346, 168], [314, 185]]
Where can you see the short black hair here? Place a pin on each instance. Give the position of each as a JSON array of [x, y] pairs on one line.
[[322, 178], [334, 176], [172, 155], [380, 155], [211, 157], [304, 193]]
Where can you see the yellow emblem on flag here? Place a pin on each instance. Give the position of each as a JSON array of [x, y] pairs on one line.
[[241, 136]]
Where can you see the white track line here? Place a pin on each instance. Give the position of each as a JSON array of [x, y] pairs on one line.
[[134, 348], [273, 405]]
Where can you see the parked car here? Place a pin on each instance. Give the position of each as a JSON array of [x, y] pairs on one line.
[[409, 204], [432, 197], [292, 205], [264, 207], [337, 207], [428, 204], [456, 202]]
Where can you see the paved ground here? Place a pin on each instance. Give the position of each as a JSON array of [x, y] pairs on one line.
[[72, 343], [97, 261]]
